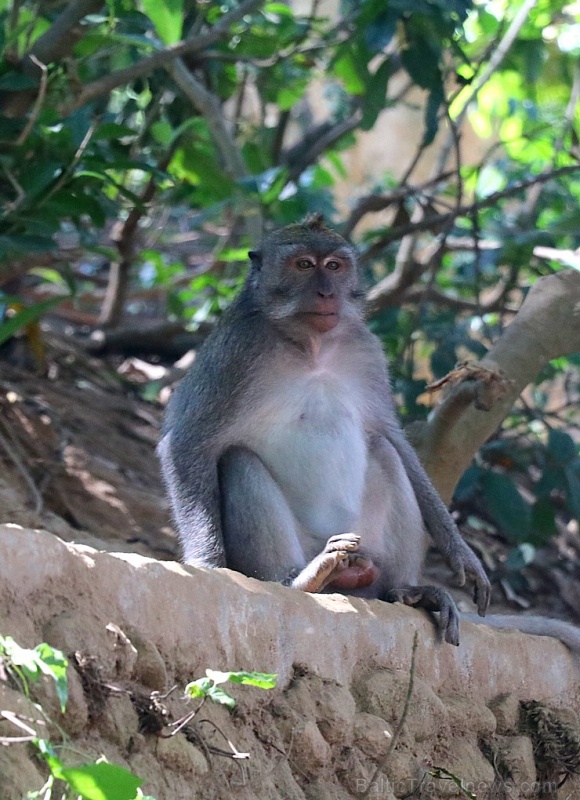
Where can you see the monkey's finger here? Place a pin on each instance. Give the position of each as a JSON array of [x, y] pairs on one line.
[[451, 629], [459, 570], [482, 594], [345, 541]]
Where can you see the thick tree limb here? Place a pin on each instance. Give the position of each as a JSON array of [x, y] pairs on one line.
[[63, 34], [546, 326], [55, 44], [208, 105]]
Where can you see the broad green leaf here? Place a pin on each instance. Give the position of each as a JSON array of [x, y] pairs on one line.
[[506, 506], [278, 8], [264, 680], [102, 782], [434, 103], [561, 446], [543, 524], [22, 318], [167, 16], [348, 68], [217, 695], [54, 663]]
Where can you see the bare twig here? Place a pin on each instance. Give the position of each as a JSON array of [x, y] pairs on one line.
[[20, 466], [373, 203], [496, 59], [119, 272], [38, 102]]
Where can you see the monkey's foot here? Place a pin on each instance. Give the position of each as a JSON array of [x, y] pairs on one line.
[[430, 598], [329, 565]]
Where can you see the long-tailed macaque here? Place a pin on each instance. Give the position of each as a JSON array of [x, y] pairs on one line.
[[282, 453]]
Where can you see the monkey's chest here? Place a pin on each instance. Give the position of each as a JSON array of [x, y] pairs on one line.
[[315, 446]]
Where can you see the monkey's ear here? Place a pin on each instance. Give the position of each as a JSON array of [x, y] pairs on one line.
[[256, 258]]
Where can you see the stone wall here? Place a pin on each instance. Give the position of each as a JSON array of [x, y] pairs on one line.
[[498, 712]]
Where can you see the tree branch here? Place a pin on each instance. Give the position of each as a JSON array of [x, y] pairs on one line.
[[208, 105], [435, 222], [546, 326], [62, 35], [163, 57]]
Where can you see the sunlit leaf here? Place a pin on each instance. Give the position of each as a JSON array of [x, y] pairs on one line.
[[167, 16], [102, 782]]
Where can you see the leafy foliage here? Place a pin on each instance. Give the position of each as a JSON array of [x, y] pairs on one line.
[[99, 781]]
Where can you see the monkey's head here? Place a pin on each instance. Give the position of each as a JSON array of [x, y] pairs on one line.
[[306, 275]]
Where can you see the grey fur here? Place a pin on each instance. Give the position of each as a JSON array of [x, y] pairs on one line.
[[281, 446]]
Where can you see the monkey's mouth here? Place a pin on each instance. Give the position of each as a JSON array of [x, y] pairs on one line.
[[322, 321]]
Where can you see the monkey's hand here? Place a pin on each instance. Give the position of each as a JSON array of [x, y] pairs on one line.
[[432, 599], [337, 567], [465, 564]]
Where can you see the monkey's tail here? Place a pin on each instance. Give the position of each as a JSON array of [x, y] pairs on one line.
[[540, 626]]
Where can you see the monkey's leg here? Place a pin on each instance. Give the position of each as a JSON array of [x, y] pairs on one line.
[[430, 598], [261, 535], [335, 562]]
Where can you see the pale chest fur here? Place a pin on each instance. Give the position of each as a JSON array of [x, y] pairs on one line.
[[309, 430]]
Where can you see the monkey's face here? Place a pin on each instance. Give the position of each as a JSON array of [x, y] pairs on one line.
[[309, 286]]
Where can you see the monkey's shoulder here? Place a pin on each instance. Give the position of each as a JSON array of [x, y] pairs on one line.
[[223, 368]]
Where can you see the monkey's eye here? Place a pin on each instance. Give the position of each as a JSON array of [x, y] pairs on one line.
[[305, 263], [333, 265]]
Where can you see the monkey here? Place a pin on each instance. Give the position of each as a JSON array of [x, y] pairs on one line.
[[281, 450]]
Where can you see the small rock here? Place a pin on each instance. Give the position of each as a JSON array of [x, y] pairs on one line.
[[506, 710], [383, 694], [516, 754], [180, 755], [149, 668], [372, 735], [308, 749]]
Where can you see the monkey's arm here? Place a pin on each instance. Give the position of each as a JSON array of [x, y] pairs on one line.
[[440, 524], [191, 478]]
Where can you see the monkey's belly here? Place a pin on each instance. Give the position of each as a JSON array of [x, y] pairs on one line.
[[317, 452]]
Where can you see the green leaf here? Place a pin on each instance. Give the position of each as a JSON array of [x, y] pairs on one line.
[[263, 680], [543, 524], [54, 663], [42, 660], [199, 688], [506, 506], [573, 490], [434, 102], [217, 695], [278, 8], [22, 318], [348, 68], [167, 16], [102, 782], [374, 98], [562, 447]]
